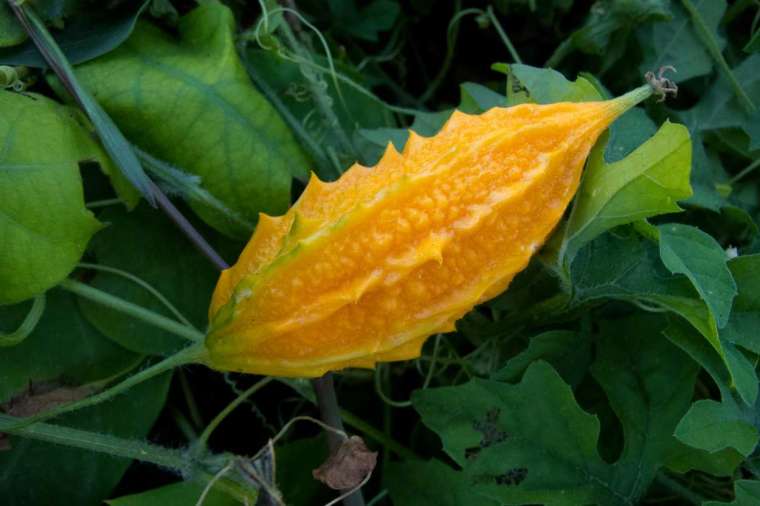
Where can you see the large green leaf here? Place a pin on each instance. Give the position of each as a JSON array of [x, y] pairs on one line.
[[687, 250], [567, 351], [675, 41], [146, 244], [648, 182], [531, 442], [191, 103], [649, 384], [44, 224]]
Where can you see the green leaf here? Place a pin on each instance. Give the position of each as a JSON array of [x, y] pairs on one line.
[[732, 424], [742, 328], [91, 33], [608, 18], [546, 86], [194, 106], [363, 23], [295, 461], [747, 494], [753, 46], [476, 98], [567, 351], [712, 426], [62, 347], [689, 251], [43, 221], [710, 39], [683, 458], [675, 41], [719, 108], [628, 268], [627, 133], [489, 428], [649, 384], [422, 483], [170, 264], [185, 492], [704, 178], [80, 476], [646, 183], [608, 26], [531, 443], [11, 32]]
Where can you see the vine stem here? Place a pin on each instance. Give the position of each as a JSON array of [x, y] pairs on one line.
[[131, 309], [178, 460], [327, 401], [503, 34]]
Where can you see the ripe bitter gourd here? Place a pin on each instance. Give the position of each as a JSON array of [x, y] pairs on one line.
[[365, 268]]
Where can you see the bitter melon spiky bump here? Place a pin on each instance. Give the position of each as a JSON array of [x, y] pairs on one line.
[[364, 269]]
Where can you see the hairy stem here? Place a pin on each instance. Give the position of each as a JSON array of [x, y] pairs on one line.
[[174, 459], [195, 237]]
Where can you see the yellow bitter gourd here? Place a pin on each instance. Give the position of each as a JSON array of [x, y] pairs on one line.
[[364, 269]]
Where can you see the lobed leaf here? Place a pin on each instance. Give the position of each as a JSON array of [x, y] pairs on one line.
[[489, 428]]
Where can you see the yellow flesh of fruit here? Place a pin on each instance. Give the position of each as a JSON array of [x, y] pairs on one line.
[[364, 269]]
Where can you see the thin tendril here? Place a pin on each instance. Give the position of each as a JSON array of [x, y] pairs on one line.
[[144, 284]]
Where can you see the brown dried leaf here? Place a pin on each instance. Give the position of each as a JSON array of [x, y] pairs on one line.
[[40, 398], [348, 466]]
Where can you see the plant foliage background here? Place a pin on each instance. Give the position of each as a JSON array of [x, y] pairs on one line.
[[620, 368]]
